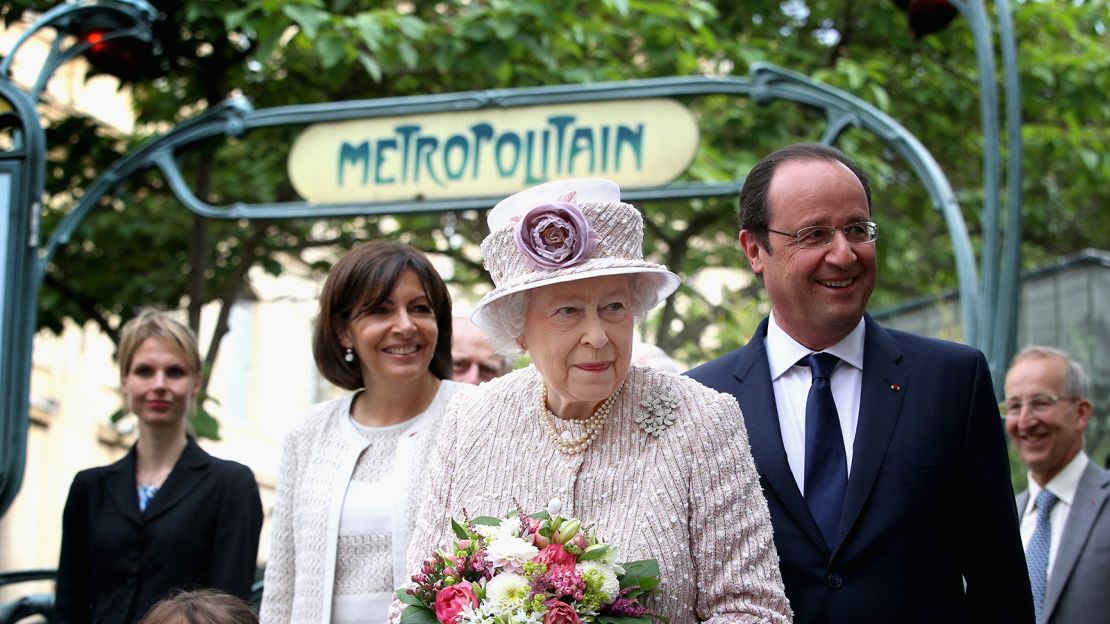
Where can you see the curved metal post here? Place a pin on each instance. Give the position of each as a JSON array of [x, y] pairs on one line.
[[1009, 296], [22, 175], [22, 171], [997, 319]]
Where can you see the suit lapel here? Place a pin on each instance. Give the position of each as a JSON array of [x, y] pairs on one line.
[[1090, 498], [189, 472], [881, 393], [757, 399], [121, 487]]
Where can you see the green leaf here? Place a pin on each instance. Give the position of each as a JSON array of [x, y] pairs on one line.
[[371, 65], [642, 574], [418, 615], [308, 18], [332, 50], [486, 521], [370, 30], [597, 551], [234, 19], [409, 599], [460, 530]]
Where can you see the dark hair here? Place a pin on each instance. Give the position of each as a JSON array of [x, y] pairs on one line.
[[202, 606], [359, 282], [754, 211]]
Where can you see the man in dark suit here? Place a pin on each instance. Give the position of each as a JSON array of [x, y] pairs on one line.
[[885, 468], [1065, 517]]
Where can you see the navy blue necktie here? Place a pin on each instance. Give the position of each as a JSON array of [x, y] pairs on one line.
[[826, 466], [1036, 553]]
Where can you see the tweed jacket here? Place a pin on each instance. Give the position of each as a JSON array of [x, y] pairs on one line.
[[200, 530], [318, 459], [689, 498]]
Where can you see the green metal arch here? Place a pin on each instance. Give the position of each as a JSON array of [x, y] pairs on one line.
[[768, 83], [236, 117]]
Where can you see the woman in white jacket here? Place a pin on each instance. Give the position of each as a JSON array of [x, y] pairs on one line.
[[345, 493]]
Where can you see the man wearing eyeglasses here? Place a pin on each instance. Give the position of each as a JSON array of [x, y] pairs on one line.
[[880, 452], [1065, 516]]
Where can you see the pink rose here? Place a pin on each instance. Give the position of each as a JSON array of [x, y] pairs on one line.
[[450, 601], [554, 555], [559, 612]]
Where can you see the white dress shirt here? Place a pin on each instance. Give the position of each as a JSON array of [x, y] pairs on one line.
[[791, 382], [1064, 486]]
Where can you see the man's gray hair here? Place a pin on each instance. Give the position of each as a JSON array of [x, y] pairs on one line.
[[1076, 382]]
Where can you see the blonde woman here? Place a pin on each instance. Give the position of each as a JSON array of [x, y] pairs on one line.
[[168, 515]]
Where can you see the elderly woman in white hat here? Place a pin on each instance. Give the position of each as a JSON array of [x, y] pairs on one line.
[[657, 463]]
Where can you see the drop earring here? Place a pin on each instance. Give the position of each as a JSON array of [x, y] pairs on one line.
[[349, 356]]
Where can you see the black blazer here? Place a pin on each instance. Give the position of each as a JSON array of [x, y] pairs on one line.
[[200, 530], [929, 502]]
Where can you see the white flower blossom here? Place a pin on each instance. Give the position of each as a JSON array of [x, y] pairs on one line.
[[510, 553], [610, 586], [508, 592]]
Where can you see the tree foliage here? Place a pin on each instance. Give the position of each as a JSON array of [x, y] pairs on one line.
[[306, 51]]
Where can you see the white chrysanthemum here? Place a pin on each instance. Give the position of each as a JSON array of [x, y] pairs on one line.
[[509, 527], [610, 586], [510, 553], [508, 592]]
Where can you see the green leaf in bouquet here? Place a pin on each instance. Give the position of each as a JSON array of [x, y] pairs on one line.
[[409, 599], [642, 574], [486, 521], [597, 551], [460, 530], [540, 515], [418, 615]]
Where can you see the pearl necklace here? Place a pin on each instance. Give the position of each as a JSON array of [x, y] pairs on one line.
[[566, 443]]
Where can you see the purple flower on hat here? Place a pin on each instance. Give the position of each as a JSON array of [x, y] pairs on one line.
[[555, 235]]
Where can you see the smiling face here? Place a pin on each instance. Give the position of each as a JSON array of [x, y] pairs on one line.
[[1046, 442], [395, 340], [158, 386], [818, 295], [579, 335]]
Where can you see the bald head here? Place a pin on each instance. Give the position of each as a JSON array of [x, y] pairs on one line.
[[473, 359]]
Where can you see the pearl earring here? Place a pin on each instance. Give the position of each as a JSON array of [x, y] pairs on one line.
[[349, 356]]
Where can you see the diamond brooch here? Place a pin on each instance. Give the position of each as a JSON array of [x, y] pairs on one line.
[[659, 411]]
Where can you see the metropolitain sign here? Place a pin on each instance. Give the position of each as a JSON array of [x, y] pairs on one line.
[[637, 143]]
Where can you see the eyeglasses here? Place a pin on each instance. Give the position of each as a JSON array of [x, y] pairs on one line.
[[821, 235], [1039, 405]]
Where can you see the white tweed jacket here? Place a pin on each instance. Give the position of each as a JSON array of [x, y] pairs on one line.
[[689, 498], [318, 458]]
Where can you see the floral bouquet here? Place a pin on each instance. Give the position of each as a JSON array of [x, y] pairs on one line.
[[542, 569]]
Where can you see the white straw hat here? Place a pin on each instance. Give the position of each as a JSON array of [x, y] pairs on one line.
[[564, 231]]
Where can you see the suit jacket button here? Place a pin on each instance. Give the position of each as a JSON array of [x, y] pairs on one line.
[[835, 580]]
